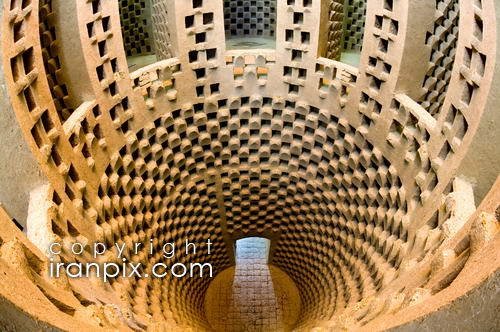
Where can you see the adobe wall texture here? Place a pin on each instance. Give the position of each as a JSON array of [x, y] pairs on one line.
[[19, 171], [482, 163], [476, 311]]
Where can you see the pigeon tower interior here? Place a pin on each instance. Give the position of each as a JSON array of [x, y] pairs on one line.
[[343, 157]]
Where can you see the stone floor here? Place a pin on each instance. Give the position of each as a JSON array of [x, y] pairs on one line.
[[351, 58], [250, 43], [139, 61], [253, 295]]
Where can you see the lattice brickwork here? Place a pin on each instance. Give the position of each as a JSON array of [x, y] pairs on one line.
[[161, 31], [335, 22], [250, 18], [443, 40], [354, 24], [135, 17]]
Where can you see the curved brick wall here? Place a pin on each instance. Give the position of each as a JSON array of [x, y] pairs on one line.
[[350, 172], [135, 18]]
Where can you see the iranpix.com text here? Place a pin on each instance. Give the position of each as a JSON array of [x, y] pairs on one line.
[[102, 261]]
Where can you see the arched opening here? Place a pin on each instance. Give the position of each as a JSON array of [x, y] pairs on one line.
[[137, 32], [353, 31], [252, 248], [250, 24]]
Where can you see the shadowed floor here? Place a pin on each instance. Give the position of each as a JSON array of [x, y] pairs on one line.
[[248, 43], [252, 296]]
